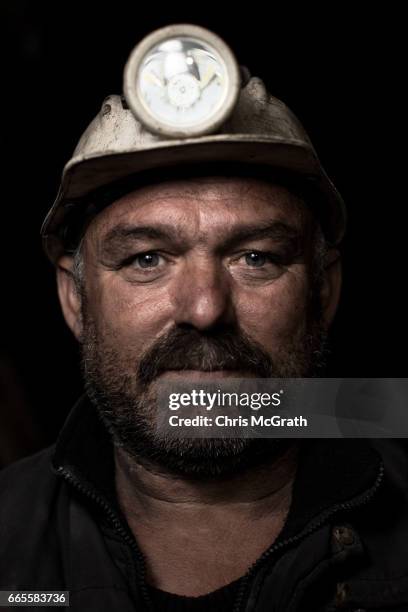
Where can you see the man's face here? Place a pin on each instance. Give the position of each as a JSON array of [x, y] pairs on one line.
[[194, 279]]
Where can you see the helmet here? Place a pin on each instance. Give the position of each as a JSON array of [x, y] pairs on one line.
[[243, 124]]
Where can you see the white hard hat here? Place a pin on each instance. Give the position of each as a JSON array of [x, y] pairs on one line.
[[258, 130]]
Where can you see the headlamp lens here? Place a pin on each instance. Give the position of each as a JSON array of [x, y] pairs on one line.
[[182, 81], [182, 84]]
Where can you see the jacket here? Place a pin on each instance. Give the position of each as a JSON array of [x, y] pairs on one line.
[[344, 545]]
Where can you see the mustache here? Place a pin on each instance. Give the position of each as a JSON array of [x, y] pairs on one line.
[[190, 349]]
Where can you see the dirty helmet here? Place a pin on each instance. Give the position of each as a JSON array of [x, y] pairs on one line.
[[186, 104]]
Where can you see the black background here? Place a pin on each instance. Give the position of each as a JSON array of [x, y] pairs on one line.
[[340, 71]]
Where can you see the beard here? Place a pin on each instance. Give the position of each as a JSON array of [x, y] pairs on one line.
[[121, 385]]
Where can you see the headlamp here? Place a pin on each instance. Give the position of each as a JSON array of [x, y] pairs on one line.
[[181, 81]]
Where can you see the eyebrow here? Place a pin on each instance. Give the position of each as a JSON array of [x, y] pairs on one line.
[[278, 231], [160, 230], [122, 235]]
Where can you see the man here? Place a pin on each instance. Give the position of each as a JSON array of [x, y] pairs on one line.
[[173, 267]]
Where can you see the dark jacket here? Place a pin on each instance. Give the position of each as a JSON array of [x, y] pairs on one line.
[[344, 545]]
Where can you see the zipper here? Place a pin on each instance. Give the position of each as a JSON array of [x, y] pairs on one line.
[[117, 524], [354, 503]]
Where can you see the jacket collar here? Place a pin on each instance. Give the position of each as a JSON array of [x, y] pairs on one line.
[[84, 449]]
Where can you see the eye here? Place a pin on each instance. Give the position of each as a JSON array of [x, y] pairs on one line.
[[145, 266], [147, 260], [256, 259], [254, 265]]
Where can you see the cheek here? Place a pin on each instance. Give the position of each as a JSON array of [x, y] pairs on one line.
[[274, 314], [127, 312]]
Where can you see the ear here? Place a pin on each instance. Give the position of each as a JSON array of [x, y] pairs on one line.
[[330, 291], [69, 296]]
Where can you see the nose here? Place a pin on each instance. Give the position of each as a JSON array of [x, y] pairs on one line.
[[203, 296]]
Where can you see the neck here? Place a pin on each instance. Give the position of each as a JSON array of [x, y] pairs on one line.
[[163, 489], [197, 522]]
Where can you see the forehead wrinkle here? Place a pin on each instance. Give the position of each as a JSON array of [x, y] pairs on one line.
[[236, 191], [193, 187]]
